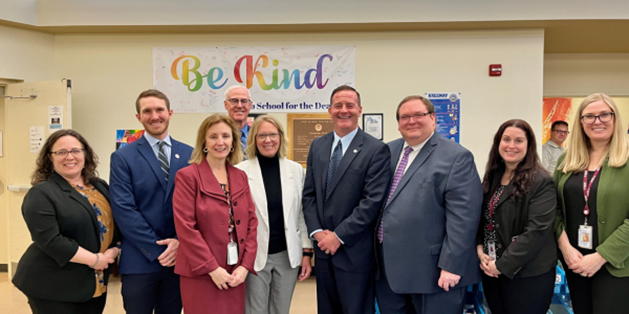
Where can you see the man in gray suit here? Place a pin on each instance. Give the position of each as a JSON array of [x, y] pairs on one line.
[[425, 238]]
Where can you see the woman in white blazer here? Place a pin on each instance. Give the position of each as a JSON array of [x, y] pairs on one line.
[[276, 185]]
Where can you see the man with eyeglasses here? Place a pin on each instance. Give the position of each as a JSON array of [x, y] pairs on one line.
[[425, 238], [238, 104], [347, 174], [141, 190], [552, 149]]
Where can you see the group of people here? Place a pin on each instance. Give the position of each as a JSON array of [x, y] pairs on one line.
[[409, 224]]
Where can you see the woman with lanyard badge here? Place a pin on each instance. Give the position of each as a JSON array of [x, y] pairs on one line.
[[516, 247], [592, 226], [216, 222]]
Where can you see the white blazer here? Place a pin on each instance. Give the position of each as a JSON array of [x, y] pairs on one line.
[[292, 179]]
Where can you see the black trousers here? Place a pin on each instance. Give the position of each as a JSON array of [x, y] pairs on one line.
[[93, 306], [599, 294], [343, 292], [528, 295]]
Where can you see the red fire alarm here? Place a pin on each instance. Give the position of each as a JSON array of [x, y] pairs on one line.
[[495, 69]]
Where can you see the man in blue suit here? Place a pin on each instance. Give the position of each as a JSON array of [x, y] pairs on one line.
[[346, 182], [425, 241], [141, 189]]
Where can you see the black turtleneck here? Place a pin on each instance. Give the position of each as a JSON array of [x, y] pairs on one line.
[[273, 189]]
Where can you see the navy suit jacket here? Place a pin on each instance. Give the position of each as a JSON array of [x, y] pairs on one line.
[[431, 219], [358, 191], [142, 202]]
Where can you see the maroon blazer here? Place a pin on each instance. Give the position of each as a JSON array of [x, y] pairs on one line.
[[202, 218]]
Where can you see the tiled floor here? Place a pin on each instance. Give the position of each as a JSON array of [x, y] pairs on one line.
[[12, 301]]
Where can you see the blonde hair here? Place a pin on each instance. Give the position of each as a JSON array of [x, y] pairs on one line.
[[252, 147], [578, 152], [198, 155]]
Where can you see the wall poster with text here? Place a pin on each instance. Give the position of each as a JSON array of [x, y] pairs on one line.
[[447, 113], [295, 79]]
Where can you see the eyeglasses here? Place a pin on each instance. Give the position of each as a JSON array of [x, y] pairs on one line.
[[416, 116], [64, 153], [562, 132], [603, 117], [272, 136], [236, 101]]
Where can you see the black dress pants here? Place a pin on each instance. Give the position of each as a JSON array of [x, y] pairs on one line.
[[93, 306], [599, 294], [528, 295]]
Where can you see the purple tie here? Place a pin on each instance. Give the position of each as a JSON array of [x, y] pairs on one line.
[[399, 173]]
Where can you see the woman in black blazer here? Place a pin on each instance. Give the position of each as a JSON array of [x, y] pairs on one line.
[[516, 246], [75, 239]]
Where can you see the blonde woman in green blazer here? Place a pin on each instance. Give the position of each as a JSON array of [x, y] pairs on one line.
[[594, 239]]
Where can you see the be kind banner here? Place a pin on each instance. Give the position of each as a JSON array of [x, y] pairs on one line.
[[280, 79]]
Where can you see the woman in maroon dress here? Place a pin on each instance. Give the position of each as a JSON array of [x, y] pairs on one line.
[[216, 222]]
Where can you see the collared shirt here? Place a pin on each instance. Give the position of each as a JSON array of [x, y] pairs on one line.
[[413, 154], [244, 134], [345, 141], [155, 145], [550, 155]]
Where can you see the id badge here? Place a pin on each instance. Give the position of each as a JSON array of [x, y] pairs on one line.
[[232, 253], [491, 247], [585, 237]]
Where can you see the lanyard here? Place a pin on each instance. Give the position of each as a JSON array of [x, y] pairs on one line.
[[492, 206], [586, 191]]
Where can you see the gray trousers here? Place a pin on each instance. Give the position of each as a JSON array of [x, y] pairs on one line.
[[272, 290]]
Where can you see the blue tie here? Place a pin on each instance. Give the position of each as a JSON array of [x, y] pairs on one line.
[[163, 160], [243, 145], [334, 164]]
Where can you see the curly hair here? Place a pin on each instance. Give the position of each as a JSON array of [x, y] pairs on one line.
[[45, 168], [526, 169]]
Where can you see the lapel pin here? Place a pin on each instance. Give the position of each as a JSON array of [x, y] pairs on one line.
[[355, 151], [177, 156]]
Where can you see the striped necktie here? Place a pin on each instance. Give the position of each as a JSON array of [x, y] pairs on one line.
[[337, 155], [399, 173], [163, 160]]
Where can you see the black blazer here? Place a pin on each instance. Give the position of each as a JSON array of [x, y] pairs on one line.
[[59, 220], [524, 227], [359, 188]]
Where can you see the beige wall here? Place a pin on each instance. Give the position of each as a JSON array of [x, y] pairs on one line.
[[583, 74], [19, 11], [26, 54], [4, 214], [108, 72], [212, 12]]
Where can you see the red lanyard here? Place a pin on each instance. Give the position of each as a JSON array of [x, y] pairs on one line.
[[492, 206], [586, 189]]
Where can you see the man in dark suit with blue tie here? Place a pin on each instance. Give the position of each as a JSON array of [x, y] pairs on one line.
[[425, 245], [347, 176], [141, 189]]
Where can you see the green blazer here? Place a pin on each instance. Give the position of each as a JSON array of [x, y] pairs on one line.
[[612, 208]]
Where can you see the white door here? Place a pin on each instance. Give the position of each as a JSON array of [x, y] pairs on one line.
[[34, 112]]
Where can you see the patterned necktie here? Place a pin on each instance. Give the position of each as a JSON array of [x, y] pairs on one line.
[[334, 164], [399, 173], [243, 145], [163, 160]]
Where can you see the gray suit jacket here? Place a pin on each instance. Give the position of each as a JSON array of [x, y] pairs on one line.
[[431, 220]]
